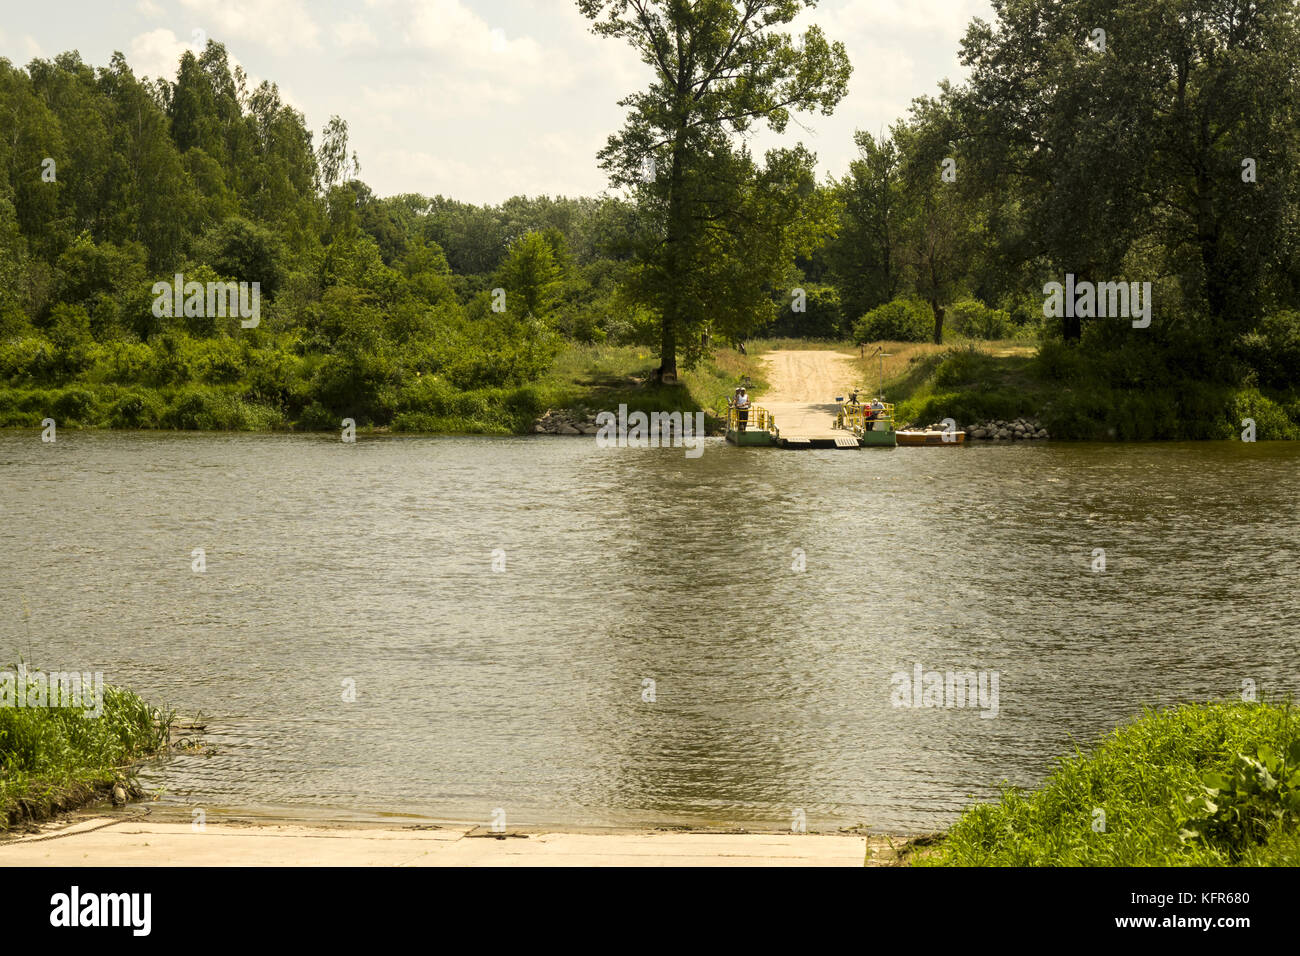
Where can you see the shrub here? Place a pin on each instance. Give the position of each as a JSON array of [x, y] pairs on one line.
[[902, 320], [76, 406], [219, 362], [1271, 422], [27, 360], [821, 318], [194, 409], [1273, 350], [317, 418], [975, 320], [356, 385], [136, 410]]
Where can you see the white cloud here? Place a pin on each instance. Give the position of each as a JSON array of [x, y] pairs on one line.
[[147, 8], [156, 53], [281, 26], [526, 172], [461, 37], [436, 97], [354, 34]]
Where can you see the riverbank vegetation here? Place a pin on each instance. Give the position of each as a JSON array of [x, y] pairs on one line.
[[1160, 174], [1195, 785], [54, 759]]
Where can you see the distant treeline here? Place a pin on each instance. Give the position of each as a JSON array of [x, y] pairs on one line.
[[1108, 145]]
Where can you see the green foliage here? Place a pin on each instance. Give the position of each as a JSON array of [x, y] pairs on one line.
[[48, 749], [721, 230], [821, 317], [1273, 350], [1271, 419], [902, 320], [972, 319], [76, 406], [531, 277], [136, 410], [364, 298], [1242, 806], [1193, 785], [204, 409]]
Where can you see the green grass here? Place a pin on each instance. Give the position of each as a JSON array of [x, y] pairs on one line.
[[1076, 393], [1141, 776], [600, 378], [583, 378], [54, 759]]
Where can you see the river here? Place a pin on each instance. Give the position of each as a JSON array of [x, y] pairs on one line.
[[586, 636]]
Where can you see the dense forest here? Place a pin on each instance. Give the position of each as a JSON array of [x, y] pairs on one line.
[[1154, 142]]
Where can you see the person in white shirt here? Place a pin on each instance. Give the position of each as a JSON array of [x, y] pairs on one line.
[[741, 401]]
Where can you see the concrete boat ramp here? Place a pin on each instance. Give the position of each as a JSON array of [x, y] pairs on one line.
[[809, 425]]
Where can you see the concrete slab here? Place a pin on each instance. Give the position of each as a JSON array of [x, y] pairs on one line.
[[148, 843]]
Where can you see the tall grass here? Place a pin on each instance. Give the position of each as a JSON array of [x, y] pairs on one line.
[[1131, 800], [54, 759]]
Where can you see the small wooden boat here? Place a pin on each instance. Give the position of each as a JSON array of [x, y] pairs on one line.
[[951, 439]]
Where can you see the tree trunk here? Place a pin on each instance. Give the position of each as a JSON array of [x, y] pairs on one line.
[[667, 371], [1071, 328], [938, 321], [1207, 235], [1071, 324]]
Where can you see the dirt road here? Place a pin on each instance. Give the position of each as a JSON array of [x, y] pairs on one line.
[[804, 385], [808, 376]]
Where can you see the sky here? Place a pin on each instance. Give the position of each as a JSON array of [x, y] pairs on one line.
[[481, 100]]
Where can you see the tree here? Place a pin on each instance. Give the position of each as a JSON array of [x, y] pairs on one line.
[[864, 255], [530, 277], [332, 157], [1132, 142], [935, 224], [720, 67]]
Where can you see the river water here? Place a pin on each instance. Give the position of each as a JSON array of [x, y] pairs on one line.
[[648, 652]]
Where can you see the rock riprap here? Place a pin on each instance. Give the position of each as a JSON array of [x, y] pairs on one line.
[[1020, 429], [566, 423]]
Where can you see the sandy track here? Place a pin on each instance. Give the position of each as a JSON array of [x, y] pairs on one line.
[[815, 377]]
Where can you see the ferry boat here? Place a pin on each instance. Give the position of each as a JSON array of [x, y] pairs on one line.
[[751, 426], [871, 423]]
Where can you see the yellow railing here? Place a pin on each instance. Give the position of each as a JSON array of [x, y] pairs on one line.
[[756, 419], [854, 415]]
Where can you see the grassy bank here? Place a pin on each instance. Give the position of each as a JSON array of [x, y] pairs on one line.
[[583, 379], [1075, 393], [1196, 785], [591, 378], [55, 759]]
